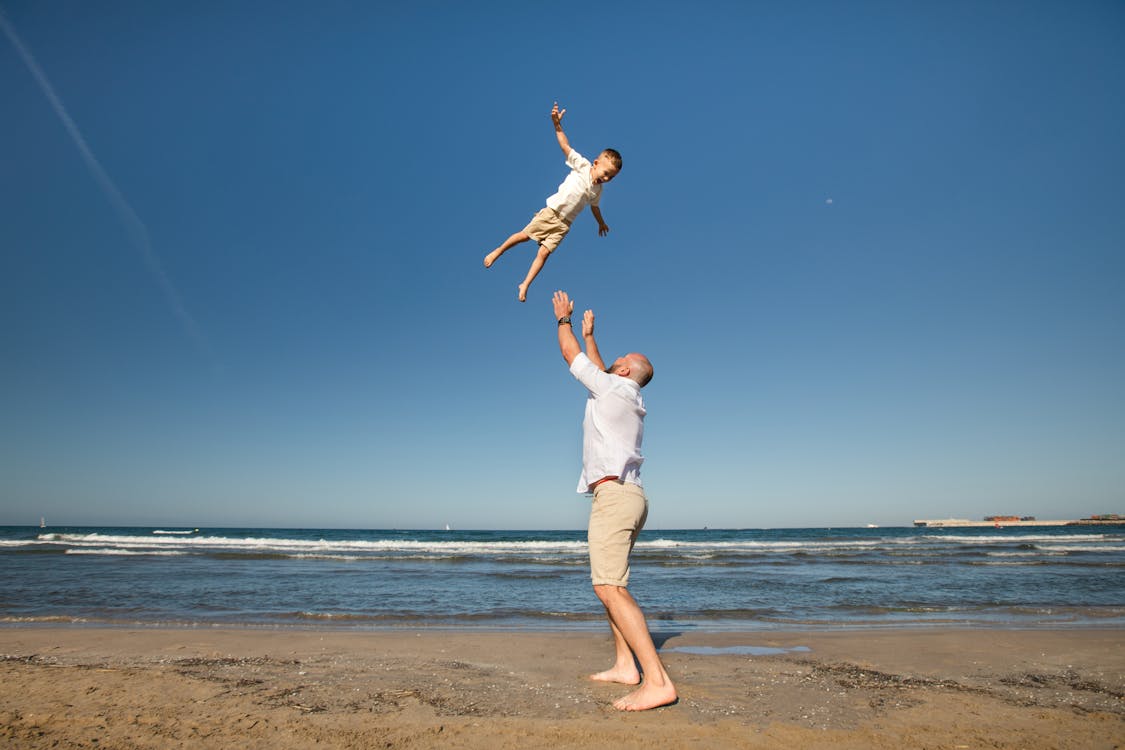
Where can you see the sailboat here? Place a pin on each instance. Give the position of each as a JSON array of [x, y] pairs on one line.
[[42, 522]]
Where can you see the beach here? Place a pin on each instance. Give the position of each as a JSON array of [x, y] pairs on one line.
[[154, 687]]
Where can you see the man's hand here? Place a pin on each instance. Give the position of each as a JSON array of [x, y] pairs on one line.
[[588, 324], [557, 115], [563, 305], [603, 229]]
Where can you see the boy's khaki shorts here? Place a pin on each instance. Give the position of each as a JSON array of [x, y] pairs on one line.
[[547, 228], [617, 515]]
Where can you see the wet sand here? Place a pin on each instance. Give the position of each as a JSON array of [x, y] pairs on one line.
[[284, 689]]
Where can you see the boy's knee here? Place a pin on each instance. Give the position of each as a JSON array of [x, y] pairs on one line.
[[545, 252]]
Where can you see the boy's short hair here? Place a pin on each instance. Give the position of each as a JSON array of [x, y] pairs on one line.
[[614, 157]]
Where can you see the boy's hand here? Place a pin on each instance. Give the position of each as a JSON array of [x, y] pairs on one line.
[[588, 323], [603, 229], [563, 305], [556, 117]]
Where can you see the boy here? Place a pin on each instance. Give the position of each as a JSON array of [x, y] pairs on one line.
[[581, 187]]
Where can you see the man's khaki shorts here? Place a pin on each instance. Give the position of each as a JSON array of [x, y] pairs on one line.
[[617, 515], [547, 228]]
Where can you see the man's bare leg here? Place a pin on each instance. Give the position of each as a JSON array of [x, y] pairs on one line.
[[624, 669], [536, 266], [509, 243], [657, 688]]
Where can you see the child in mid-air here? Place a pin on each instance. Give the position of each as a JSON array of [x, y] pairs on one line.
[[582, 186]]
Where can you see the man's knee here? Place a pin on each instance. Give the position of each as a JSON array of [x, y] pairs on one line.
[[608, 592], [545, 252]]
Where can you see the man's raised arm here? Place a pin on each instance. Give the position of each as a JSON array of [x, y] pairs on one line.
[[568, 343], [588, 338], [556, 117]]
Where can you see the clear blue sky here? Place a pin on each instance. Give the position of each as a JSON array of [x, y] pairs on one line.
[[876, 252]]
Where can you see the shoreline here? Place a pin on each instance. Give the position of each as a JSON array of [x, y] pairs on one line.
[[283, 689], [593, 626]]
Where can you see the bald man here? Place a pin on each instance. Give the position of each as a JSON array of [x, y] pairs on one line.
[[612, 430]]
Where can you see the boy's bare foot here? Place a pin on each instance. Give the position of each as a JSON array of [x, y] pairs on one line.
[[625, 676], [491, 258], [523, 292], [647, 696]]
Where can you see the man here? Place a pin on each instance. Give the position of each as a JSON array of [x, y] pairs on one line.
[[611, 466]]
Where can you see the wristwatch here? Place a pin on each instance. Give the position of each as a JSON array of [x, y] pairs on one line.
[[564, 320]]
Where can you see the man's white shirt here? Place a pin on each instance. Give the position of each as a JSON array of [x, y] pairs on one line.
[[613, 426]]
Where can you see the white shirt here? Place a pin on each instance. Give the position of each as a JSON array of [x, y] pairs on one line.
[[577, 190], [613, 426]]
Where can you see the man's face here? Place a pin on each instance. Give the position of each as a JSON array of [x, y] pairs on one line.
[[602, 170]]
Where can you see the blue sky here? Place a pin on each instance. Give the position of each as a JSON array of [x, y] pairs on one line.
[[876, 252]]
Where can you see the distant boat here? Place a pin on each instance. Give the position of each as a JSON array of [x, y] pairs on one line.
[[872, 526], [42, 522], [448, 527]]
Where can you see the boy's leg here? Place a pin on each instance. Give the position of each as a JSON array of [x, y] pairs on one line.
[[536, 266], [515, 239]]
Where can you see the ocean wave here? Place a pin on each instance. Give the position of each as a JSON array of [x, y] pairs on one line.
[[273, 543], [709, 549], [1022, 538], [125, 552], [1078, 548]]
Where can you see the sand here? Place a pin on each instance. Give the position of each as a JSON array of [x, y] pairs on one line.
[[282, 689]]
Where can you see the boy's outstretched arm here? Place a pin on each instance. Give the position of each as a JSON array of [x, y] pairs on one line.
[[556, 117], [588, 337], [603, 228]]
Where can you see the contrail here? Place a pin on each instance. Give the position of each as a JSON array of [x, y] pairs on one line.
[[135, 228]]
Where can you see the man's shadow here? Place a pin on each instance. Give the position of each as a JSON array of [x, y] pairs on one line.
[[659, 638]]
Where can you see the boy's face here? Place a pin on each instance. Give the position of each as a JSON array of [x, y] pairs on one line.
[[602, 170]]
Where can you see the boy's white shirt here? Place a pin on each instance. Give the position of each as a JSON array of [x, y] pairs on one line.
[[577, 190]]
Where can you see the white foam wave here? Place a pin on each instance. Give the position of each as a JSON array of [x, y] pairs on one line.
[[308, 546], [350, 549], [1015, 538], [113, 551], [757, 546]]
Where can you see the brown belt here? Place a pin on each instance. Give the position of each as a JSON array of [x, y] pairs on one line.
[[603, 479]]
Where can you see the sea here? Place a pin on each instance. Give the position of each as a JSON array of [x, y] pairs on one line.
[[699, 579]]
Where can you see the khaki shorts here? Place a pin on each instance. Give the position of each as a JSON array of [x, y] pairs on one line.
[[617, 515], [547, 228]]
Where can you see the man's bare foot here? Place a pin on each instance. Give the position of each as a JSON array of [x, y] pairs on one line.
[[647, 696], [491, 258], [625, 676], [523, 292]]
